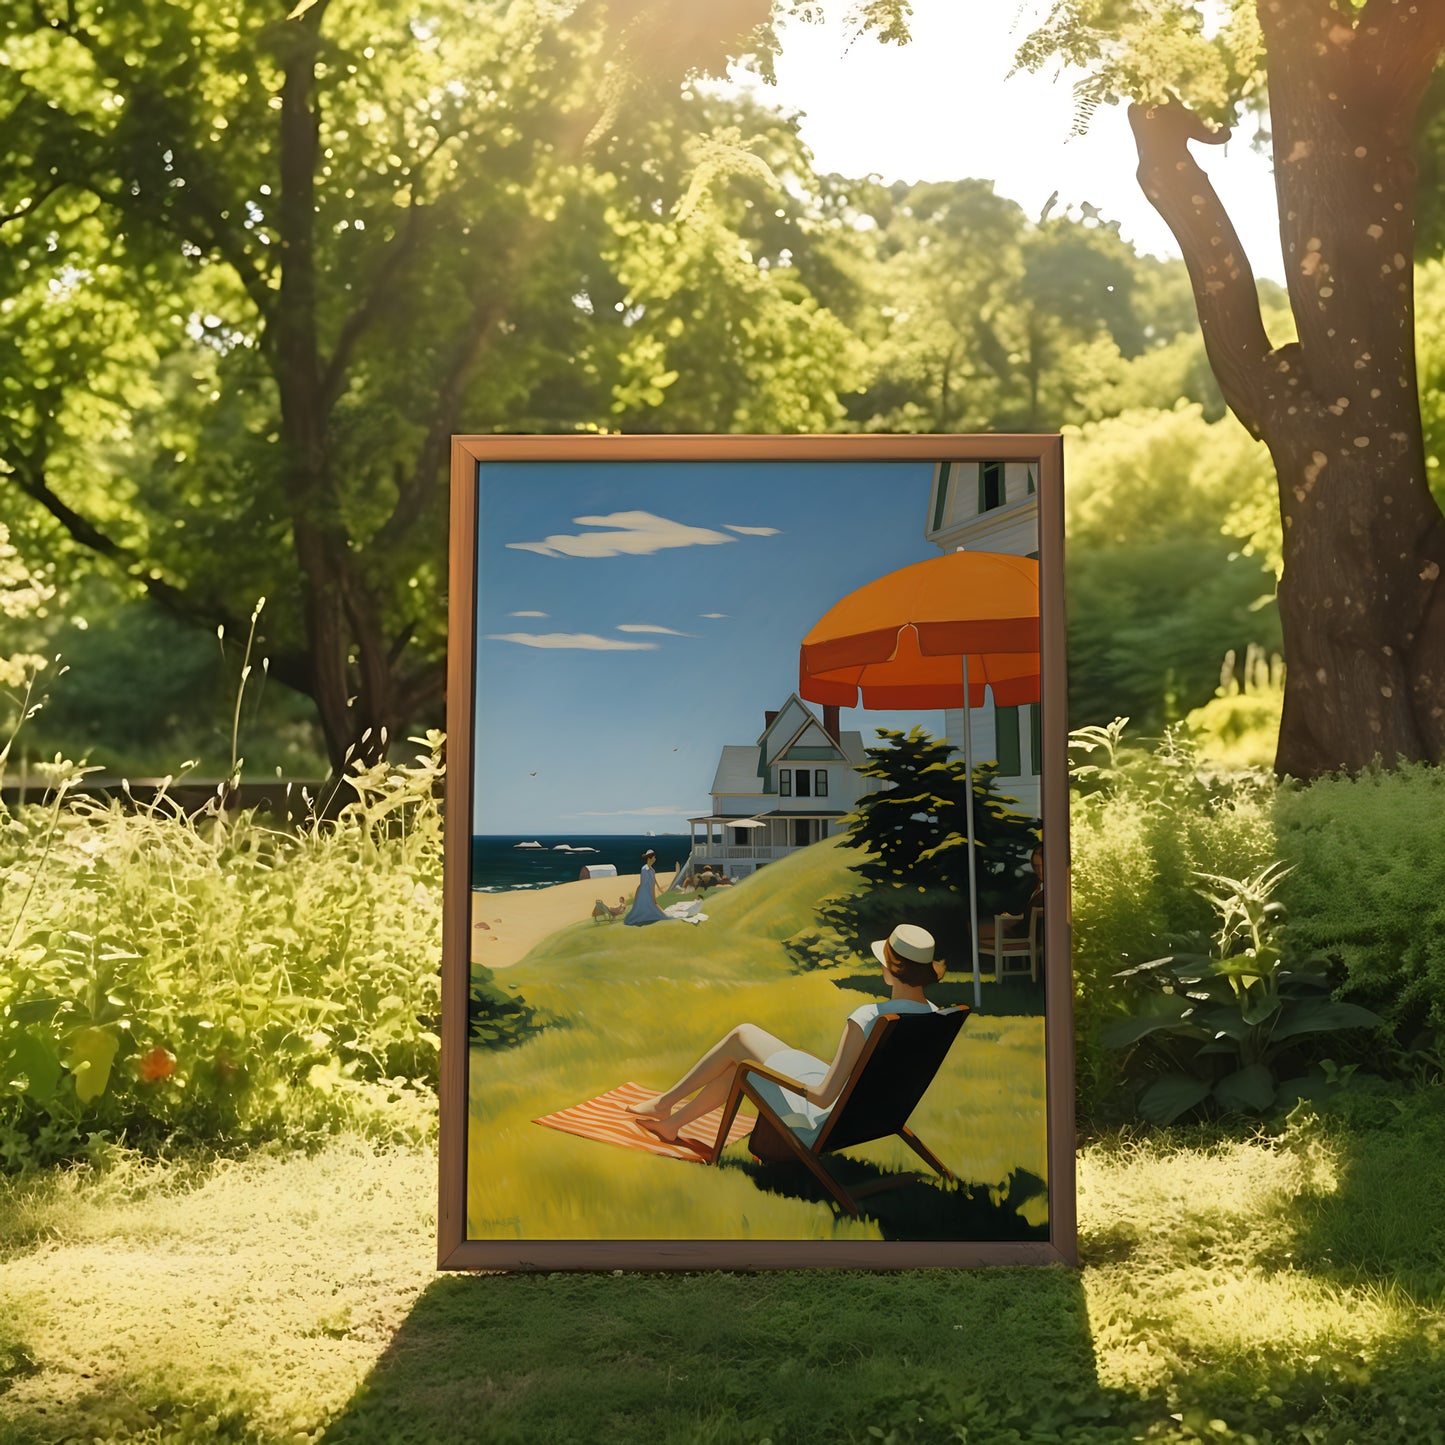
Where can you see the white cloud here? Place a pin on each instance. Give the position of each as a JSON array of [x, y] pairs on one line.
[[752, 531], [637, 534], [650, 627], [712, 614], [526, 614], [576, 641]]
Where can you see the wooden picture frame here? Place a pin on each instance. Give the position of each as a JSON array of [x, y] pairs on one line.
[[493, 476]]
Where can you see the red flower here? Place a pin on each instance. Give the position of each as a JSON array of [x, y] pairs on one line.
[[159, 1063]]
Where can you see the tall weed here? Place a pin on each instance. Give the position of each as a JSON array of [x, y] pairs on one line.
[[212, 976]]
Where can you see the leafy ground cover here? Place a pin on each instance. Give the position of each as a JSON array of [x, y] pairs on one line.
[[1284, 1288]]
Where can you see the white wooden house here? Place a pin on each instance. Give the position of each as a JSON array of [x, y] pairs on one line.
[[790, 788], [992, 507]]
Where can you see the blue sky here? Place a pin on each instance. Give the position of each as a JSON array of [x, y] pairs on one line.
[[616, 655]]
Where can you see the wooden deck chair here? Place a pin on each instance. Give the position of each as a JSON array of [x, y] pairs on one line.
[[1027, 946], [898, 1062]]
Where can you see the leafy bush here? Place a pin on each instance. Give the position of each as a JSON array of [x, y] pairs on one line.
[[915, 842], [1239, 726], [1219, 1030], [1144, 822], [1368, 887], [213, 976]]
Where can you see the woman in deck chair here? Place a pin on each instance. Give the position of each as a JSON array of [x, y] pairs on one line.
[[908, 967]]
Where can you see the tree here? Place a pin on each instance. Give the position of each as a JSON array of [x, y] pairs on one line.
[[261, 269], [1361, 600], [978, 319], [914, 838]]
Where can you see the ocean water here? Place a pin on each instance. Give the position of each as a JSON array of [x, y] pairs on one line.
[[500, 866]]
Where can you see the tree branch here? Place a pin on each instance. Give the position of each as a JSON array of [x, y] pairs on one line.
[[1399, 47], [333, 381], [433, 451], [28, 473], [1224, 288]]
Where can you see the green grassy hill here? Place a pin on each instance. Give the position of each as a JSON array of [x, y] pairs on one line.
[[642, 1004]]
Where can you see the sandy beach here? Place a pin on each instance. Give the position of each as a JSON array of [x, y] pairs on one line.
[[506, 926]]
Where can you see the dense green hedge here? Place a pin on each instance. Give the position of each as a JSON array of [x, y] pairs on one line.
[[1368, 887]]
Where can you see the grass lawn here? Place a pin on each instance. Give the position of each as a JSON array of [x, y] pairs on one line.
[[642, 1003], [1276, 1290]]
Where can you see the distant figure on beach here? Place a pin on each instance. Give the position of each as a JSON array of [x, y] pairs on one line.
[[908, 968], [601, 910], [644, 906]]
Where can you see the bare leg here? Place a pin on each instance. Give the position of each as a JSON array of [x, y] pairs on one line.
[[712, 1095], [747, 1041]]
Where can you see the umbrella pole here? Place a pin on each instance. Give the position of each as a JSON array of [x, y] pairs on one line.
[[972, 862]]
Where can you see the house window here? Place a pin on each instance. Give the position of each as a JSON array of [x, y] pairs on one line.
[[802, 832], [1006, 740], [820, 782], [941, 504], [990, 486], [785, 782], [804, 777]]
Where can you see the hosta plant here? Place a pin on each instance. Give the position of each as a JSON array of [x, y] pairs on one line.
[[1227, 1028]]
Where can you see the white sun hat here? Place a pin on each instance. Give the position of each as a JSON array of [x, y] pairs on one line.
[[907, 941]]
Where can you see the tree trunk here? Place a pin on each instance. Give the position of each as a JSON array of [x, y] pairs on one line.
[[1362, 608], [351, 672]]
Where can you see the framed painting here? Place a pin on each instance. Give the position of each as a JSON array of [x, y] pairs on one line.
[[757, 884]]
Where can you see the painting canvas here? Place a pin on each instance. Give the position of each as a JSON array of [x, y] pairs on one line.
[[756, 934]]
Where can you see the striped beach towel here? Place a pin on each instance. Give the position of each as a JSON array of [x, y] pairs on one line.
[[606, 1119]]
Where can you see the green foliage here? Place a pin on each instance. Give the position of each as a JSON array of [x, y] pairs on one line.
[[1209, 56], [179, 688], [913, 835], [1430, 349], [1216, 1031], [1239, 726], [24, 594], [987, 321], [211, 976], [1143, 823], [1368, 887], [252, 297], [1157, 576]]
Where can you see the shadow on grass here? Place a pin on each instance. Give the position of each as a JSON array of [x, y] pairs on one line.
[[1017, 998], [816, 1355], [1383, 1222], [911, 1206]]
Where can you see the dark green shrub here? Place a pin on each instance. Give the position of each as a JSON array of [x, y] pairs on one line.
[[914, 840], [1231, 1030], [1368, 887], [1144, 822]]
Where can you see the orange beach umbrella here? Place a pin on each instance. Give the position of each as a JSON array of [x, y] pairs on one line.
[[932, 635]]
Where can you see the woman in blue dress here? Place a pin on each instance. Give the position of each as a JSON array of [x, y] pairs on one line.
[[908, 967], [644, 906]]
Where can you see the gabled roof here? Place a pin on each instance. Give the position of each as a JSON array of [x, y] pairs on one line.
[[792, 718], [737, 771]]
